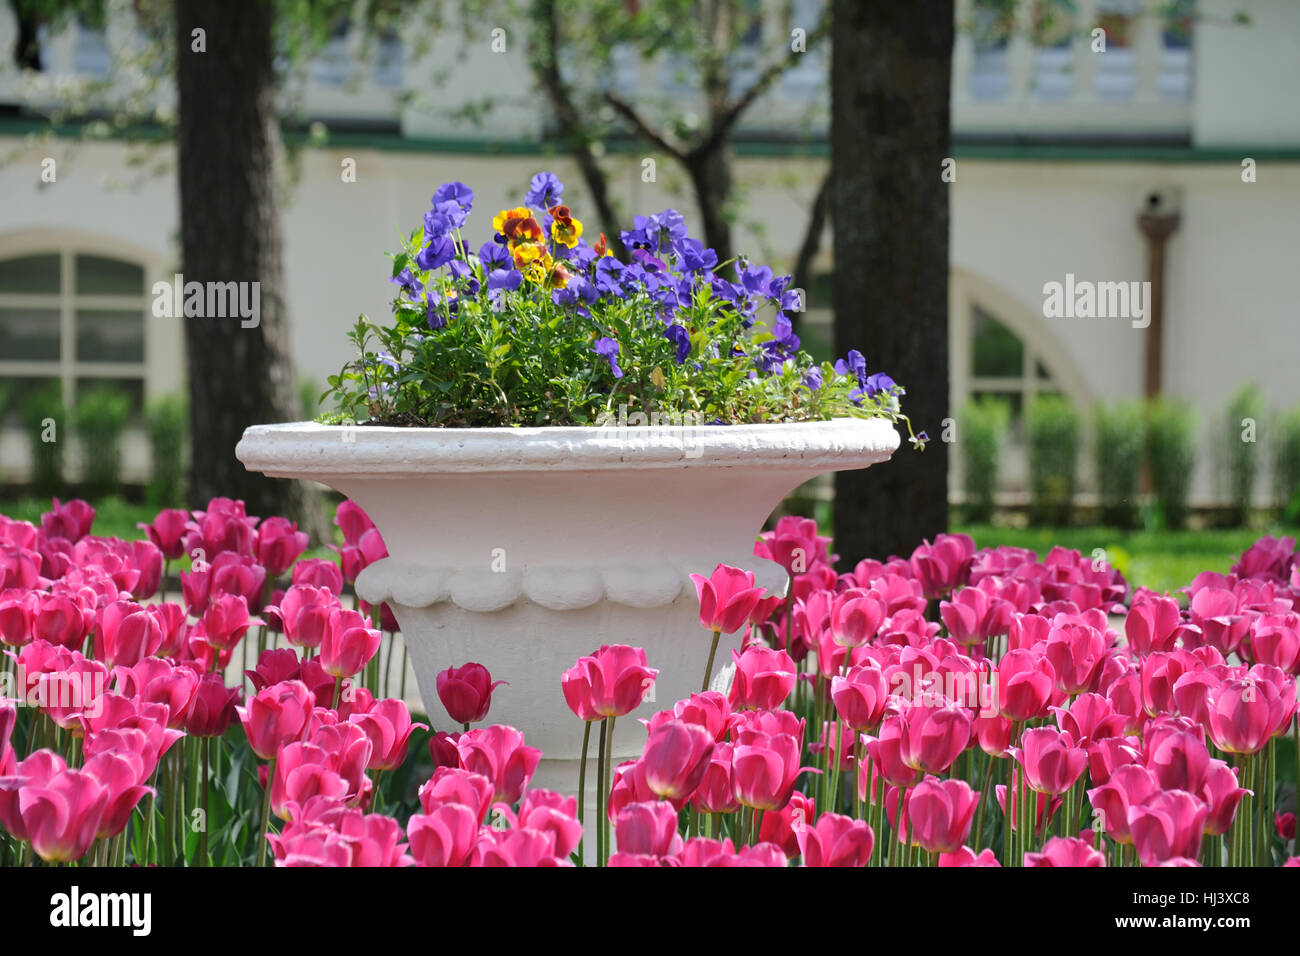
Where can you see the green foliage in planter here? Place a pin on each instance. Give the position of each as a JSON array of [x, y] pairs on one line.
[[981, 429], [1053, 436], [1241, 449], [45, 421], [100, 420], [1118, 457], [1171, 454], [167, 421], [309, 398], [1286, 464], [520, 320]]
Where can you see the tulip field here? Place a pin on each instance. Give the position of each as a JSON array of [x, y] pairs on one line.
[[956, 707]]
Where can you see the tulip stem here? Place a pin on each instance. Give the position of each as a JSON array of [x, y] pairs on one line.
[[338, 687], [601, 794], [609, 783], [708, 668], [582, 790], [266, 808], [984, 795], [206, 744]]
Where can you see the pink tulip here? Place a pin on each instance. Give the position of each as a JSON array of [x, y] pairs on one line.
[[1178, 757], [727, 597], [1025, 682], [319, 573], [993, 733], [466, 692], [835, 840], [352, 520], [224, 526], [1169, 824], [278, 715], [886, 753], [943, 565], [61, 620], [1242, 715], [226, 621], [1222, 794], [456, 786], [1051, 761], [212, 707], [1214, 611], [516, 848], [55, 809], [278, 544], [71, 521], [939, 814], [304, 614], [303, 771], [443, 837], [550, 812], [18, 609], [1067, 852], [388, 725], [498, 753], [965, 857], [709, 709], [610, 683], [763, 680], [714, 793], [794, 544], [348, 644], [648, 829], [856, 616], [781, 827], [676, 757], [1076, 652], [1275, 640], [1153, 624], [934, 737], [126, 634], [1129, 786], [1285, 826], [860, 696], [442, 749], [167, 532], [764, 769]]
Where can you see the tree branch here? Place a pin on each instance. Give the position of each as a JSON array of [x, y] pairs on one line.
[[653, 136], [724, 123]]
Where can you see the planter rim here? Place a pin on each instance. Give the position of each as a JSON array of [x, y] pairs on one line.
[[310, 449]]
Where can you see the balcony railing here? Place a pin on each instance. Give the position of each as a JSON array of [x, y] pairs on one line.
[[1016, 75]]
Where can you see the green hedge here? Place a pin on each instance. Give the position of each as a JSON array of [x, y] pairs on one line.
[[1052, 427], [101, 418], [982, 427], [44, 417], [1120, 433], [167, 422], [1286, 465], [1241, 450], [1171, 455]]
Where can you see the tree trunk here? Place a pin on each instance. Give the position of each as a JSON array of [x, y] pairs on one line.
[[711, 180], [27, 48], [545, 61], [228, 144], [890, 74]]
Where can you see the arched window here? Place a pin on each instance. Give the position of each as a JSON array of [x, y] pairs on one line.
[[999, 348], [73, 317]]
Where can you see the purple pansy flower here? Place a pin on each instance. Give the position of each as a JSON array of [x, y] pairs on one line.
[[456, 192], [507, 279], [681, 338], [608, 348], [440, 251], [544, 191]]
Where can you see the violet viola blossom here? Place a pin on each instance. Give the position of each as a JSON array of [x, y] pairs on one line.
[[608, 348]]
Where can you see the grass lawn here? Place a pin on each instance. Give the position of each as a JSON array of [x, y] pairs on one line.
[[1162, 561]]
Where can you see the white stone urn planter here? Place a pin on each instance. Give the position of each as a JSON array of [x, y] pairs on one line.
[[526, 548]]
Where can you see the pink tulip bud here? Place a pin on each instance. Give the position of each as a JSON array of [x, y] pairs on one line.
[[835, 840], [498, 753], [939, 814], [278, 715], [727, 597], [610, 683], [348, 643], [1067, 852], [466, 692], [676, 756]]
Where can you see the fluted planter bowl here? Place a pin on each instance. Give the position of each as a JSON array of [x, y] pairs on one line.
[[526, 548]]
